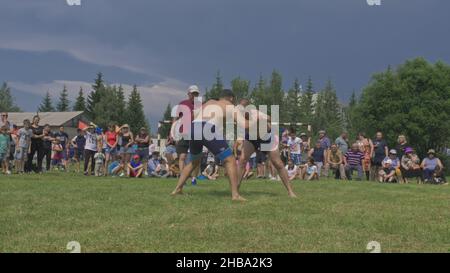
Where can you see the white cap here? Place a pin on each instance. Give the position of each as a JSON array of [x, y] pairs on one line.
[[193, 89], [388, 161]]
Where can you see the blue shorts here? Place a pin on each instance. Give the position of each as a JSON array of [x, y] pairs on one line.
[[296, 158], [21, 153], [257, 142], [143, 153], [111, 151], [171, 149], [2, 157], [218, 147]]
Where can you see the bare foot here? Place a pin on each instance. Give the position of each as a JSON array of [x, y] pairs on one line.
[[292, 195], [177, 192], [239, 198]]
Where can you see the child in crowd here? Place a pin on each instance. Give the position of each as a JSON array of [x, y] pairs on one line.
[[4, 149], [57, 156], [311, 172], [116, 167], [135, 167], [211, 171], [23, 145], [99, 158], [387, 173], [163, 169], [292, 170]]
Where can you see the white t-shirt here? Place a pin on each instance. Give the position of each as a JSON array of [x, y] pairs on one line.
[[253, 155], [295, 145], [292, 171], [91, 142]]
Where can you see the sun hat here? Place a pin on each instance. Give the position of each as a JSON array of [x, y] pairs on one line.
[[431, 151], [302, 134], [136, 157], [322, 132], [193, 89], [393, 151], [408, 150]]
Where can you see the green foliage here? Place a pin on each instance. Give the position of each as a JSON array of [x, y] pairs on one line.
[[7, 103], [328, 111], [413, 100], [217, 88], [307, 103], [293, 106], [240, 88], [47, 104], [135, 111], [165, 128], [80, 102], [64, 103], [98, 91]]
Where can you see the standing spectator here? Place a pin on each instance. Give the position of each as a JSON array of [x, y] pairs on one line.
[[5, 122], [184, 115], [410, 165], [90, 148], [325, 142], [305, 147], [37, 142], [381, 151], [319, 154], [99, 158], [63, 138], [78, 143], [431, 166], [353, 160], [295, 144], [47, 146], [342, 142], [57, 154], [111, 141], [4, 149], [366, 147], [126, 144], [142, 141], [335, 160], [23, 145], [401, 145]]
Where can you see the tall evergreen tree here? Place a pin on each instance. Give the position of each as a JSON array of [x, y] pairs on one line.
[[328, 111], [293, 108], [307, 102], [80, 102], [47, 104], [121, 105], [64, 103], [165, 128], [240, 88], [259, 95], [217, 87], [7, 103], [95, 96], [135, 111]]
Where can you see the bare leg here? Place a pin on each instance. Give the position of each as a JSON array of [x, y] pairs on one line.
[[230, 166], [181, 160], [184, 175], [278, 164], [246, 152]]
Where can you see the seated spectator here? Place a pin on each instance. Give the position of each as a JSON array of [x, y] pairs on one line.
[[387, 173], [115, 168], [353, 160], [174, 169], [292, 170], [211, 171], [395, 163], [135, 167], [162, 170], [409, 166], [311, 171], [153, 164], [318, 153], [432, 167], [336, 162]]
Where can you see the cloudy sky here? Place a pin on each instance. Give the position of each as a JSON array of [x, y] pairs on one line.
[[163, 46]]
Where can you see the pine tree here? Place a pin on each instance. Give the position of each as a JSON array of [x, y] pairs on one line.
[[63, 104], [258, 95], [47, 104], [6, 100], [328, 111], [95, 96], [307, 102], [240, 88], [293, 100], [135, 111], [121, 105], [165, 128], [217, 88], [80, 102]]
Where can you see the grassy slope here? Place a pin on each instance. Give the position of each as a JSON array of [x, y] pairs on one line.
[[43, 213]]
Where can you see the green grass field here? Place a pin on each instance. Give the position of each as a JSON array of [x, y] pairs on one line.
[[42, 213]]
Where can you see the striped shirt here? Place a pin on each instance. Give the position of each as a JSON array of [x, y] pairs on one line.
[[354, 158]]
